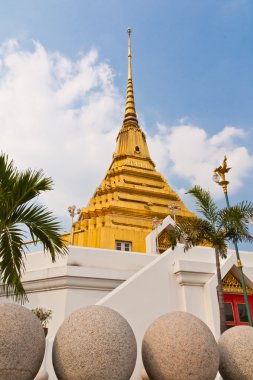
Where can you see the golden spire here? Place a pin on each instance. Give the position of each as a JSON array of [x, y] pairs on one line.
[[130, 113]]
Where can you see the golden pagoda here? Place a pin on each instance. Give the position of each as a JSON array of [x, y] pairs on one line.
[[132, 195]]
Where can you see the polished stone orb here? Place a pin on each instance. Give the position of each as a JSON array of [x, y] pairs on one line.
[[95, 343], [22, 343], [179, 346], [236, 348]]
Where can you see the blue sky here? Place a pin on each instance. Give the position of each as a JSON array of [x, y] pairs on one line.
[[191, 58], [192, 68]]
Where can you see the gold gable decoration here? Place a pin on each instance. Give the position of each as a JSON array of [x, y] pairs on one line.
[[163, 241], [232, 285]]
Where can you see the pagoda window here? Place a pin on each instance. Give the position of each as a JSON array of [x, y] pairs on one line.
[[242, 312], [123, 245]]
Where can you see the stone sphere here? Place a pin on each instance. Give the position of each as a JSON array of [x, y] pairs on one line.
[[96, 343], [180, 346], [22, 343], [236, 347]]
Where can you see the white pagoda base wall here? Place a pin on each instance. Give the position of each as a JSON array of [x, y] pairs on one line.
[[140, 287]]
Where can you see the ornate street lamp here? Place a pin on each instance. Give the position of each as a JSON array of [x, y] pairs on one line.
[[173, 210], [220, 178], [155, 223], [73, 211]]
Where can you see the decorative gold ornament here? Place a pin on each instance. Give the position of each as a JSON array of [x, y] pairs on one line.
[[232, 285], [219, 175], [163, 241]]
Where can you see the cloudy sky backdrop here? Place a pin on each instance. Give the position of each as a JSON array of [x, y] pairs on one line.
[[63, 70]]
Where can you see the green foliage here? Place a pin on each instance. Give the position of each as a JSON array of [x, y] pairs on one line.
[[44, 315], [19, 213], [217, 226], [205, 204], [236, 221]]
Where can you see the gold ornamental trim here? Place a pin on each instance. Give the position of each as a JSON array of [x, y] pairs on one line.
[[163, 241], [232, 285]]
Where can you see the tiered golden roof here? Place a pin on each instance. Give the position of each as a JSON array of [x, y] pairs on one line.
[[132, 193]]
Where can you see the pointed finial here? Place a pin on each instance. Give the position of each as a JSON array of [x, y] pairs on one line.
[[130, 113], [129, 30]]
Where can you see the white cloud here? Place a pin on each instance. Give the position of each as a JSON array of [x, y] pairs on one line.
[[59, 115], [227, 136], [188, 153]]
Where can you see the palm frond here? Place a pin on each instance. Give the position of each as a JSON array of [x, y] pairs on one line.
[[18, 190], [7, 170], [175, 235], [42, 225], [220, 241], [27, 186], [235, 220], [198, 232], [17, 187], [204, 202], [12, 264], [7, 179], [242, 212], [191, 232]]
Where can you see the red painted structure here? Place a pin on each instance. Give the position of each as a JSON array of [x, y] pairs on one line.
[[236, 310]]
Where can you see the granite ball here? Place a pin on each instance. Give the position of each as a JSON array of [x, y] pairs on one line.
[[180, 346], [236, 347], [22, 343], [95, 343]]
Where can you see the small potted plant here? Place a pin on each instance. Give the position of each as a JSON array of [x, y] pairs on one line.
[[44, 316]]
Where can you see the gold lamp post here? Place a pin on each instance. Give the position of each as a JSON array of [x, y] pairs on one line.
[[173, 210], [73, 211], [219, 177], [155, 222]]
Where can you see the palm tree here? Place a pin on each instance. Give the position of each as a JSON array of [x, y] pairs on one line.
[[21, 217], [216, 228]]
